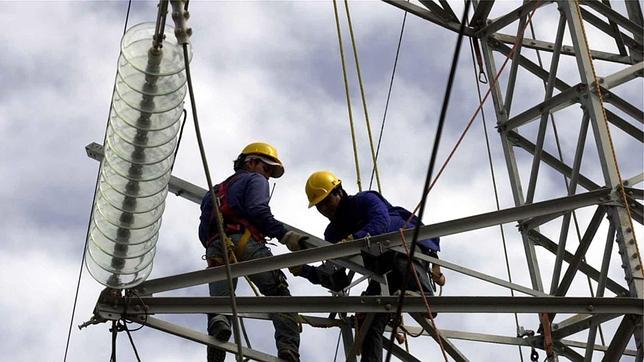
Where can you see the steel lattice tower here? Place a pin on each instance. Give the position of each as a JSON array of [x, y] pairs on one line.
[[590, 101]]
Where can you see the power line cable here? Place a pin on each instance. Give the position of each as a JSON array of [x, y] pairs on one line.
[[430, 169], [346, 89], [391, 83], [362, 96], [492, 174], [89, 222]]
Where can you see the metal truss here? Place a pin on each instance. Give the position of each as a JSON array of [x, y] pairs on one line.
[[599, 107]]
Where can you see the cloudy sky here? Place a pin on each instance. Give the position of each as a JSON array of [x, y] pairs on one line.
[[263, 71]]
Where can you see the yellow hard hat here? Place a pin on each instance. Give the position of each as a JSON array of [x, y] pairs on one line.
[[319, 185], [268, 155]]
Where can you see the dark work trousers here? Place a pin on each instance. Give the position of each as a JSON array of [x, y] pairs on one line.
[[272, 283], [372, 344]]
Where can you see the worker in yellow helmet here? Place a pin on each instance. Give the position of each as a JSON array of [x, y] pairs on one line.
[[364, 214], [248, 221]]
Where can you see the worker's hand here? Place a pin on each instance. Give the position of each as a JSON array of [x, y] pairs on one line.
[[296, 270], [437, 276], [347, 239], [292, 240]]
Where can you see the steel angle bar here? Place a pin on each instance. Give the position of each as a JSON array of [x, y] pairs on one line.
[[613, 15], [568, 352], [510, 17], [631, 43], [195, 336], [634, 181], [449, 347], [481, 12], [584, 244], [543, 124], [565, 49], [542, 240], [596, 347], [373, 304], [579, 323], [623, 105], [514, 66], [610, 170], [347, 340], [622, 336], [476, 274], [448, 9], [622, 76], [437, 10], [527, 64], [512, 341], [620, 123], [550, 160], [552, 104], [572, 187], [429, 16], [254, 266], [398, 352]]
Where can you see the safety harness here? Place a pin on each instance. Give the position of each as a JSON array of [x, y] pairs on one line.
[[233, 222]]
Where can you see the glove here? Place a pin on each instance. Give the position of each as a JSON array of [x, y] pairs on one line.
[[292, 240], [296, 270]]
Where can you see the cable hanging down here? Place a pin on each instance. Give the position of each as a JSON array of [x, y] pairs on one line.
[[430, 169]]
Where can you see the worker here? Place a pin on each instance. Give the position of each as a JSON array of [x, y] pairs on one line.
[[368, 214], [248, 221]]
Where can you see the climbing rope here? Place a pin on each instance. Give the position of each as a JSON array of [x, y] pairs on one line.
[[430, 169], [391, 83], [89, 222], [346, 89], [610, 140], [364, 100], [226, 242]]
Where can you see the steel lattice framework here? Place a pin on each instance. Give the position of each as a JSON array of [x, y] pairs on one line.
[[615, 200]]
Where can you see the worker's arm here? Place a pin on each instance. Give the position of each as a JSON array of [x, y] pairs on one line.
[[255, 206]]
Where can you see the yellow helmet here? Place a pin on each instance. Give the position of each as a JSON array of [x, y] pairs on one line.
[[319, 185], [268, 155]]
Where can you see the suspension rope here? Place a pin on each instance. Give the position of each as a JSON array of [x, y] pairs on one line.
[[565, 178], [226, 242], [391, 83], [346, 89], [89, 222], [474, 51], [430, 169], [598, 91], [364, 100]]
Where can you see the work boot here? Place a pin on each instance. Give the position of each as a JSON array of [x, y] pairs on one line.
[[215, 354], [221, 331], [288, 355]]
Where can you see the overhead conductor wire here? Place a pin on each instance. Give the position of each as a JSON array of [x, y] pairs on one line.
[[362, 96], [225, 240], [346, 89], [492, 174], [430, 169], [98, 176], [391, 83]]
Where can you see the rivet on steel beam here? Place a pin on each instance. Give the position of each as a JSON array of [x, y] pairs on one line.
[[590, 307]]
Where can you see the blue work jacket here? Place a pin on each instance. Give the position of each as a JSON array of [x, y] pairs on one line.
[[369, 213], [248, 196]]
